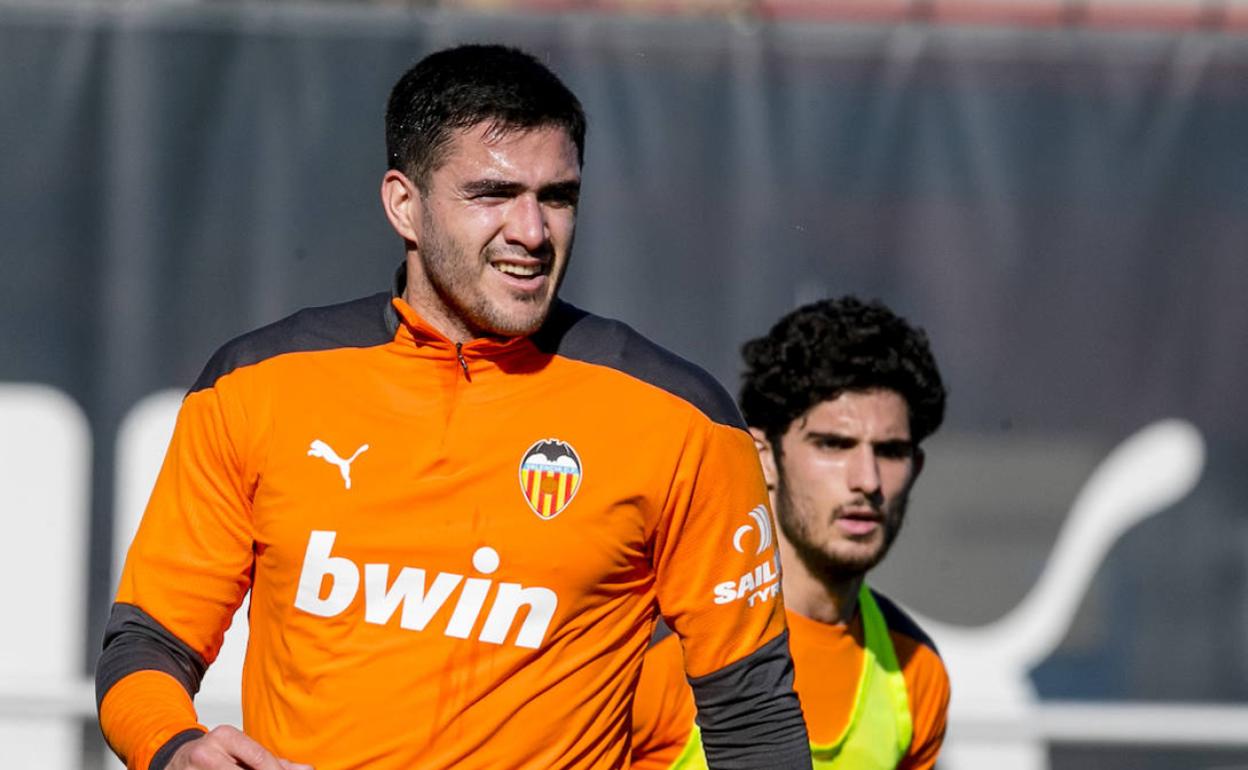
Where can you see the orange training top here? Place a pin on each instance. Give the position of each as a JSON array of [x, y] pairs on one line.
[[827, 659], [456, 555]]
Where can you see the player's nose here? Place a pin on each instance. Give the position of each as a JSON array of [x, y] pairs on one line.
[[526, 223], [863, 470]]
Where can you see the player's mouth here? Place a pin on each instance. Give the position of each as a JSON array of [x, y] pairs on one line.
[[526, 275], [858, 522]]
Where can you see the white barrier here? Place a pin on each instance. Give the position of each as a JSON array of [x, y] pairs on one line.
[[43, 567]]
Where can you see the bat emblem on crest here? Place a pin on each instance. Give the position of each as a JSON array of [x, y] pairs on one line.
[[550, 475]]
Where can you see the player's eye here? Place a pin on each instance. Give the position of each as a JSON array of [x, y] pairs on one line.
[[894, 450], [561, 196]]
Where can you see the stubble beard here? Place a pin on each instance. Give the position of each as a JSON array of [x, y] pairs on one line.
[[455, 277], [827, 565]]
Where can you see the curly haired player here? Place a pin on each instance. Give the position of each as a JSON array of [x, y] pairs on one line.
[[839, 396]]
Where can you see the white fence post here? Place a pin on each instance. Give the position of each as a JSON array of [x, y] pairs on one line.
[[45, 466]]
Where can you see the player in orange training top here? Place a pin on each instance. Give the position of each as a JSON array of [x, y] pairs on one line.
[[459, 506], [839, 396]]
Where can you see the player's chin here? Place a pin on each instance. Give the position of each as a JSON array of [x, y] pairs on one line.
[[857, 558], [519, 317]]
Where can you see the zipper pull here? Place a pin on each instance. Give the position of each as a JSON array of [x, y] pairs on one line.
[[459, 353]]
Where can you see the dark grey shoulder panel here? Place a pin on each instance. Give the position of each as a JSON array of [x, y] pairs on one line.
[[360, 323], [574, 333], [749, 715], [135, 641], [898, 620]]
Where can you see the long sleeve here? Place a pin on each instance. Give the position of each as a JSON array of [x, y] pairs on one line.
[[187, 571], [719, 589]]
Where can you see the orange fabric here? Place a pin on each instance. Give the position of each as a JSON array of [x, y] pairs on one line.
[[663, 708], [827, 660], [426, 616], [142, 712]]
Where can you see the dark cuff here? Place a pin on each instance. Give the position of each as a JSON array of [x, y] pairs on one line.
[[166, 752]]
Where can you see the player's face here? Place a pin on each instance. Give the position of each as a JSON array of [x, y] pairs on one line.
[[496, 228], [842, 481]]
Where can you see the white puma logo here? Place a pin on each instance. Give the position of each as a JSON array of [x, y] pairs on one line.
[[1144, 475], [326, 452]]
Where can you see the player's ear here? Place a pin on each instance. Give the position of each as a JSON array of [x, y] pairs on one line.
[[917, 461], [402, 203], [766, 457]]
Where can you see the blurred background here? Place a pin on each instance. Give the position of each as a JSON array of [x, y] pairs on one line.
[[1056, 190]]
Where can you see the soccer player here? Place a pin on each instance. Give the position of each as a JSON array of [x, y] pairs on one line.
[[839, 396], [459, 506]]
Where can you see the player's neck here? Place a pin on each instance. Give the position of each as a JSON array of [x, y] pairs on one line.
[[813, 596], [424, 299]]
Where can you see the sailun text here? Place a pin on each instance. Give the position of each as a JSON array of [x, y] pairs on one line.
[[759, 584]]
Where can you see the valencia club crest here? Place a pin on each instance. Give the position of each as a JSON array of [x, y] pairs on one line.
[[550, 474]]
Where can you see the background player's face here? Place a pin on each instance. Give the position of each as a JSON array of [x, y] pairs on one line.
[[842, 480], [497, 221]]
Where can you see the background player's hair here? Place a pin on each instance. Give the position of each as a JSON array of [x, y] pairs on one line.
[[460, 87], [823, 349]]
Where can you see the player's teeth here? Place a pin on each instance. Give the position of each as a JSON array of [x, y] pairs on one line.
[[524, 271]]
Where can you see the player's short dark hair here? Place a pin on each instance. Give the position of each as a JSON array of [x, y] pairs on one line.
[[459, 87], [826, 348]]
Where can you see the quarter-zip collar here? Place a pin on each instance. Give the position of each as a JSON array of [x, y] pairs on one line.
[[471, 357], [423, 333]]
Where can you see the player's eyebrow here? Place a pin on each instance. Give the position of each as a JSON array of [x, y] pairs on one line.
[[568, 191], [830, 437], [500, 188], [897, 445]]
